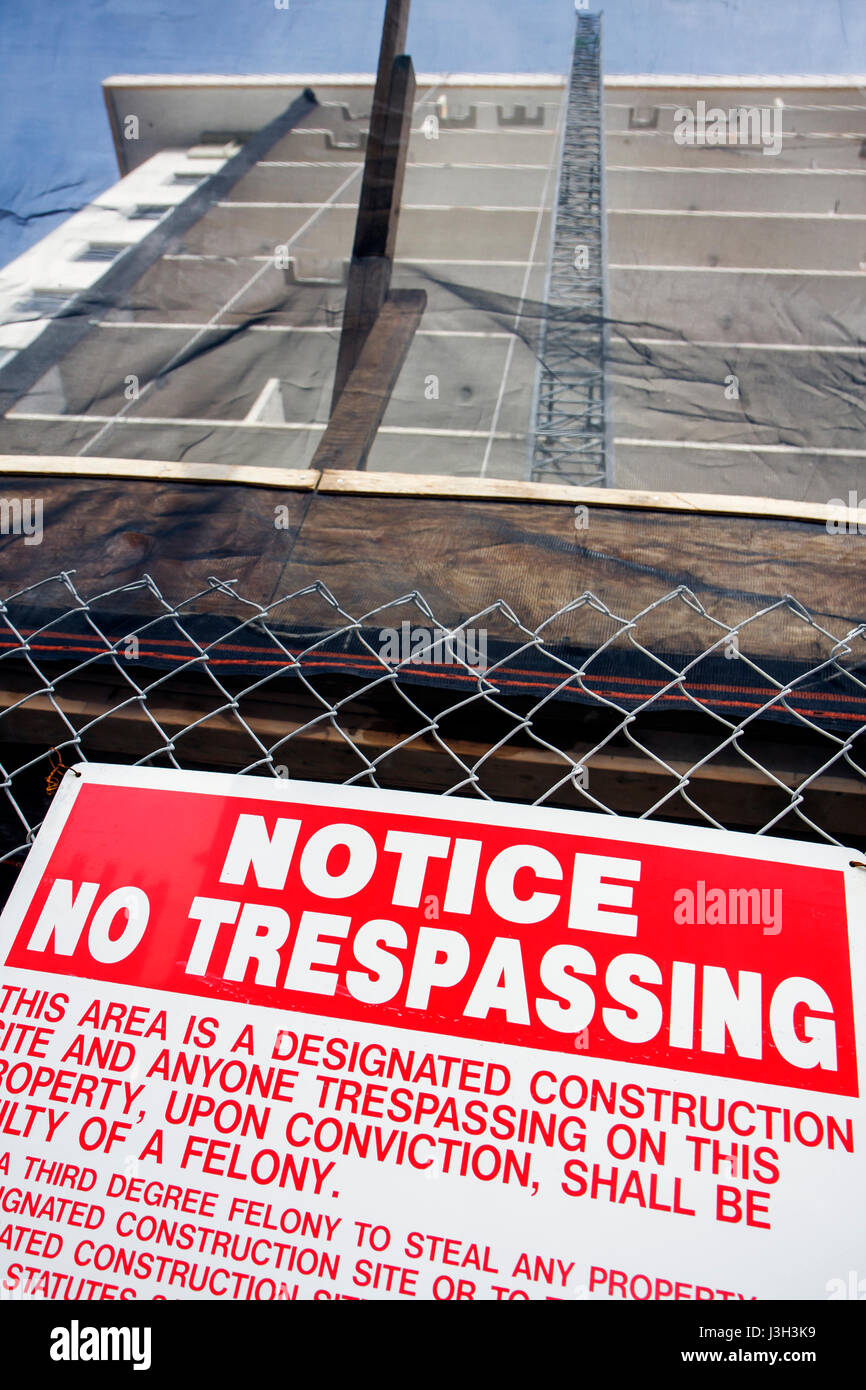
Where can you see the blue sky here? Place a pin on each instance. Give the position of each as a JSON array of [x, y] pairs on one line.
[[57, 153]]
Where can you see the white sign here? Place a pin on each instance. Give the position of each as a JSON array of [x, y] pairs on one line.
[[278, 1040]]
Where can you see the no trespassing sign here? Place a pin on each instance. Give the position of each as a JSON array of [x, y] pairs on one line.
[[278, 1040]]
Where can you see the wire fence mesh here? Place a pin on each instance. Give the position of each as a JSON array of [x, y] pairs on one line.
[[668, 712]]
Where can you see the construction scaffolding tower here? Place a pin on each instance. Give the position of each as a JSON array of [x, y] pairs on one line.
[[569, 441]]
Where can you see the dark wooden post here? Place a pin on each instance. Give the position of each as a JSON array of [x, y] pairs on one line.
[[358, 413], [381, 192]]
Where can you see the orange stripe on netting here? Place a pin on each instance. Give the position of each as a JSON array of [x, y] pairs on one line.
[[518, 680], [376, 664]]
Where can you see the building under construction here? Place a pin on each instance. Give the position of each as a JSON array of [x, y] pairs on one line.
[[347, 367]]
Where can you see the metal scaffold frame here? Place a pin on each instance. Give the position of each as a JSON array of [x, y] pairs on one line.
[[570, 440]]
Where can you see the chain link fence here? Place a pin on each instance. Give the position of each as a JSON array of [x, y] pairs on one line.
[[668, 712]]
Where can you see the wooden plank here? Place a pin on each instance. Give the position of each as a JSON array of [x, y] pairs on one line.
[[367, 289], [385, 167], [423, 485], [379, 205], [358, 413], [395, 29], [57, 466], [620, 778]]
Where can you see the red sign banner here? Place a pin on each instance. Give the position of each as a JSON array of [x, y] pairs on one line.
[[515, 929]]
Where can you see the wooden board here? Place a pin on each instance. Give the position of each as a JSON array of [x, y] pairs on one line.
[[358, 412], [424, 485], [506, 489], [381, 193], [152, 470], [733, 792]]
